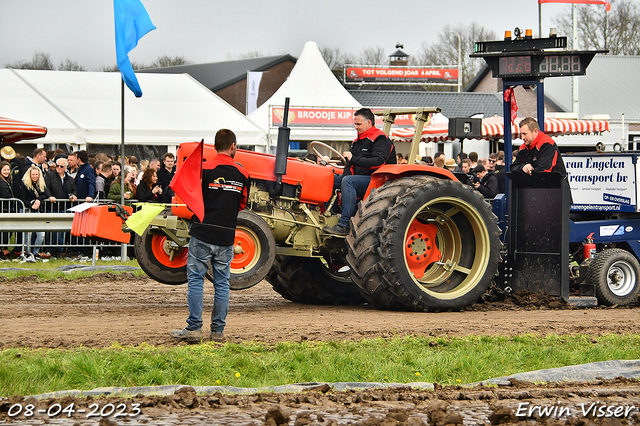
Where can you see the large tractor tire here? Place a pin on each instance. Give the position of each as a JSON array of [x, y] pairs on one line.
[[438, 246], [314, 281], [255, 251], [154, 257], [615, 274], [364, 242]]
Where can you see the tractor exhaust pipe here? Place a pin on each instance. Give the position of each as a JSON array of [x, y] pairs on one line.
[[282, 149]]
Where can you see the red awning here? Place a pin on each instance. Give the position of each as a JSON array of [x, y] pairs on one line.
[[493, 128], [13, 130]]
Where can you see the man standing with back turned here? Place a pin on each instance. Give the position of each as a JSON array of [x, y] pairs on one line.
[[368, 152], [225, 189]]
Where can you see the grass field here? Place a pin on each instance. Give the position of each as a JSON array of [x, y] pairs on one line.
[[397, 360], [47, 269]]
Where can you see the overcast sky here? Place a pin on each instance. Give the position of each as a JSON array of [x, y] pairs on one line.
[[205, 31]]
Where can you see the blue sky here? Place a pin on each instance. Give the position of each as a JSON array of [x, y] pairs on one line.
[[212, 30]]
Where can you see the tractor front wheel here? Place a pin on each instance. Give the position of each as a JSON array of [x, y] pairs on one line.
[[154, 255], [254, 249]]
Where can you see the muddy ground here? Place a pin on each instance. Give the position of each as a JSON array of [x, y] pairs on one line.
[[123, 308]]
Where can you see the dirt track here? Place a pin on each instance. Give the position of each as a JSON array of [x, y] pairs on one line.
[[131, 310]]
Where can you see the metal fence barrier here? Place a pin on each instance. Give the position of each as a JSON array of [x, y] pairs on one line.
[[22, 230]]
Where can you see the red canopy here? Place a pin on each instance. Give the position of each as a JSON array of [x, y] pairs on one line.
[[13, 130], [493, 128]]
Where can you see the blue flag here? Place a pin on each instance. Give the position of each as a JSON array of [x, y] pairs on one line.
[[132, 22]]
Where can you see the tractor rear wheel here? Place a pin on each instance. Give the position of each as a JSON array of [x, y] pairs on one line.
[[314, 280], [153, 253], [615, 274], [254, 252], [438, 246]]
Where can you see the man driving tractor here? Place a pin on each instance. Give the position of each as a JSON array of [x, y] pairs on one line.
[[370, 150]]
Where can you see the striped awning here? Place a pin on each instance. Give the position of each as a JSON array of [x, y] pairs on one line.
[[493, 128], [13, 130]]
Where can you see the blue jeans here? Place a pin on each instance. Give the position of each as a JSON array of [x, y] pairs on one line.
[[36, 240], [200, 253], [353, 187]]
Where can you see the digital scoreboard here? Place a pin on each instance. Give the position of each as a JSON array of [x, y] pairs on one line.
[[533, 58], [537, 65]]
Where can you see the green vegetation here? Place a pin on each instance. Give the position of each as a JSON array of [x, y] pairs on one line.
[[398, 360], [46, 270]]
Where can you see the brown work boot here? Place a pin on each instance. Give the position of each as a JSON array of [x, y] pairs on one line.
[[217, 337], [189, 336]]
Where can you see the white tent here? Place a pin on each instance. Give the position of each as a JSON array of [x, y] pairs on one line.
[[311, 84], [85, 107]]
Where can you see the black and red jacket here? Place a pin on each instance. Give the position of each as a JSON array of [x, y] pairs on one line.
[[225, 189], [543, 154], [370, 150]]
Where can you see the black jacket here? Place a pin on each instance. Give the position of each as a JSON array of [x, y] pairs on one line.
[[143, 193], [543, 154], [29, 196], [6, 192], [489, 185], [5, 189], [369, 154], [57, 189], [225, 189], [164, 179], [17, 170], [500, 174]]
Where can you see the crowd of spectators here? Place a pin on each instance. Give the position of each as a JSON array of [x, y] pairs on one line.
[[48, 181], [486, 175]]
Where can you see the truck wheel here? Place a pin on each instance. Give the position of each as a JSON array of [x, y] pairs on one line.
[[314, 281], [439, 245], [615, 274], [153, 255], [255, 250]]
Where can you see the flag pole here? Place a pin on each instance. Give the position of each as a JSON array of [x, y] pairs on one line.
[[539, 20], [123, 246]]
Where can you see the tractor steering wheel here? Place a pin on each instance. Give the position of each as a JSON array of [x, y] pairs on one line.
[[335, 163]]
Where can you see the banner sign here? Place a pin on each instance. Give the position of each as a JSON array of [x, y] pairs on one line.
[[328, 117], [416, 75], [602, 182], [253, 88]]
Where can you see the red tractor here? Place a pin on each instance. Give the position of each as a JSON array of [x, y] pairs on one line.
[[421, 240]]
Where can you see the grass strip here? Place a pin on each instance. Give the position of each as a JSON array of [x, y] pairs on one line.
[[397, 360], [47, 270]]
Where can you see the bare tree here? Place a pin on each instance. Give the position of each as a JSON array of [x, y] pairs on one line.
[[69, 65], [109, 68], [445, 50], [335, 58], [617, 30], [247, 55], [169, 61], [373, 56], [40, 61]]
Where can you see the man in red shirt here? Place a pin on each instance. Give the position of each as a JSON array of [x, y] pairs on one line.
[[538, 153], [225, 189]]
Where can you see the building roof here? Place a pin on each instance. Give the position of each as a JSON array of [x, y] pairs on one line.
[[453, 104], [399, 53], [610, 87], [218, 75]]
